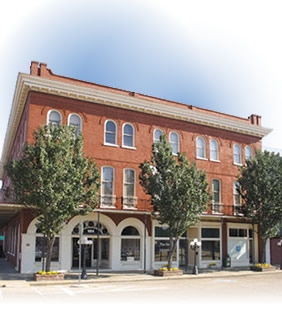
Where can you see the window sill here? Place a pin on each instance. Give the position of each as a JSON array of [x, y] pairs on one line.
[[111, 145], [130, 148]]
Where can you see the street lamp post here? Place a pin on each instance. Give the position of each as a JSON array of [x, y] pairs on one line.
[[195, 245], [83, 242]]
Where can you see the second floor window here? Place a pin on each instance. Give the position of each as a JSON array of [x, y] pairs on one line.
[[107, 188], [129, 199], [110, 133], [236, 198], [216, 196], [129, 183]]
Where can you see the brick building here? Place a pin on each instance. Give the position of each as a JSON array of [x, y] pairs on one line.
[[119, 128]]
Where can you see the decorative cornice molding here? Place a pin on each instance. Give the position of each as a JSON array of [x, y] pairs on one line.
[[26, 83]]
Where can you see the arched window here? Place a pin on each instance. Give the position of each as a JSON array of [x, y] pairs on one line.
[[110, 133], [107, 188], [54, 118], [214, 150], [130, 244], [237, 154], [248, 153], [200, 147], [216, 196], [128, 135], [174, 142], [157, 135], [75, 121]]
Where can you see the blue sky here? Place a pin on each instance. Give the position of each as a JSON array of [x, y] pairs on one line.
[[221, 55]]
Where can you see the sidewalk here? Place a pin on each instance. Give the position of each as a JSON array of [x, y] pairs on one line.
[[8, 276]]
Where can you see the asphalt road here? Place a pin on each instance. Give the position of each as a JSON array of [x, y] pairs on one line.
[[218, 300]]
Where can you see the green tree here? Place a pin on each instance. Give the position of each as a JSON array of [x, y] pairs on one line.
[[260, 186], [178, 190], [55, 179]]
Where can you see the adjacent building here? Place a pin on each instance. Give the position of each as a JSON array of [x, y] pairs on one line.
[[119, 128]]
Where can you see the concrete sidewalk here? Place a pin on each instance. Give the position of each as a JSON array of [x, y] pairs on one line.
[[9, 276]]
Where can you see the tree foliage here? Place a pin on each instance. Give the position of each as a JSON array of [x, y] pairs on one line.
[[55, 178], [178, 190], [260, 186]]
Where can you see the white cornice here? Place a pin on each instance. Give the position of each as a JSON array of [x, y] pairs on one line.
[[26, 83]]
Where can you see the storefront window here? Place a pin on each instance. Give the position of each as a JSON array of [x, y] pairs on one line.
[[210, 244], [162, 244], [130, 244], [41, 249]]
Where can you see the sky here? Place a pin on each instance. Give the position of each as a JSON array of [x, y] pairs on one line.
[[220, 55]]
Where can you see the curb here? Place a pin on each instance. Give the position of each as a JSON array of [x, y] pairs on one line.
[[109, 278]]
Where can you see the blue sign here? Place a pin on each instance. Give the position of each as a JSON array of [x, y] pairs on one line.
[[2, 237], [238, 248]]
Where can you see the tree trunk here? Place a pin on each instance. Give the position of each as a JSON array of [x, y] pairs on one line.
[[50, 244], [172, 248]]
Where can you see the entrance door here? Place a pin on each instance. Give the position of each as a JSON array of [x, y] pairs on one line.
[[76, 251], [99, 250]]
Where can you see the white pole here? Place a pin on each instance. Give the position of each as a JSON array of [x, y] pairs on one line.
[[79, 257]]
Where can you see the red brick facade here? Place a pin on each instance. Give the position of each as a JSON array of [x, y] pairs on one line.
[[44, 91]]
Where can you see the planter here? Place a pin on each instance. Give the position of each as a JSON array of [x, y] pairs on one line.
[[168, 273], [49, 277], [262, 268]]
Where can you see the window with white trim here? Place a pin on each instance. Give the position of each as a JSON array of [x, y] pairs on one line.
[[128, 136], [174, 142], [110, 133], [108, 198], [130, 244], [129, 198], [216, 196], [210, 248], [237, 201], [248, 153], [54, 118], [200, 147], [237, 154], [157, 135], [214, 150], [75, 121]]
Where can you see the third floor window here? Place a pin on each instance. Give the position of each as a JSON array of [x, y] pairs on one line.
[[128, 135], [110, 133]]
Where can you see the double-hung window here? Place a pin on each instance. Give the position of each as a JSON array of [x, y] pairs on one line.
[[174, 142], [214, 151], [108, 198], [237, 154], [216, 196], [110, 133], [200, 148], [128, 136], [54, 118], [75, 122], [129, 198]]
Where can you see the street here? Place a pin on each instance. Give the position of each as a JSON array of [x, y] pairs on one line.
[[254, 295]]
